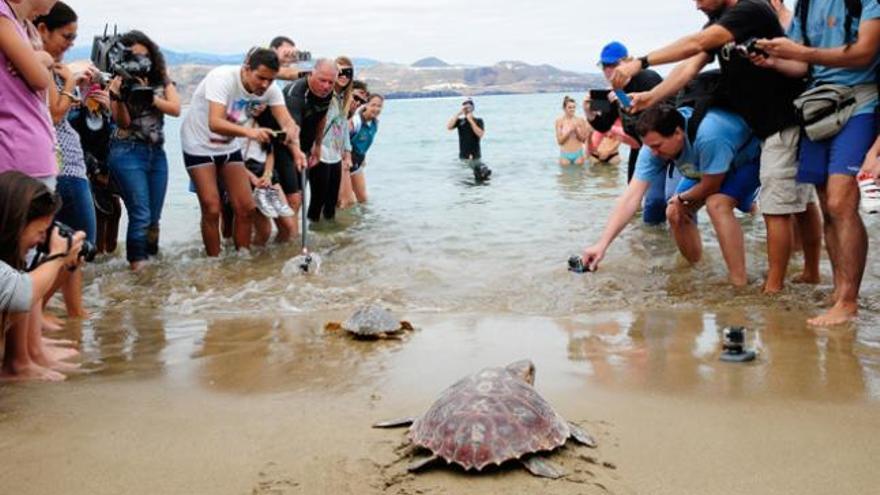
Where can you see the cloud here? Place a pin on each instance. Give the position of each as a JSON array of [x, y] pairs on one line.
[[565, 33]]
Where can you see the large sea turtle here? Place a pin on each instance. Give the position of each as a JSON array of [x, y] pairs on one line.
[[492, 417], [371, 322]]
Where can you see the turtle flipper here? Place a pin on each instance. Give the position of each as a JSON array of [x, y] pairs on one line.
[[394, 423], [581, 436], [421, 462], [405, 325], [539, 466], [333, 326]]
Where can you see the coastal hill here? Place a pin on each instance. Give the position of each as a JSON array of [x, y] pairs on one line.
[[427, 77]]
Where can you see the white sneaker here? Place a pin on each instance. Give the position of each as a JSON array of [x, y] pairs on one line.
[[264, 204], [870, 201], [278, 205]]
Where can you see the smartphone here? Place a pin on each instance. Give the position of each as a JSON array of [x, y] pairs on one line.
[[623, 98]]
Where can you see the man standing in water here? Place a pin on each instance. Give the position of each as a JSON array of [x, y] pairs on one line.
[[308, 100], [470, 131]]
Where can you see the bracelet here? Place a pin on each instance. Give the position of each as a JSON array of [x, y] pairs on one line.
[[644, 62]]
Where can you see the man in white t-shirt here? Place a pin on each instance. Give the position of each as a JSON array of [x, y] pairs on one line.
[[222, 110]]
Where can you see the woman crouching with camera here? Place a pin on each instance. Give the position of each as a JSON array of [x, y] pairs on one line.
[[27, 208], [137, 158]]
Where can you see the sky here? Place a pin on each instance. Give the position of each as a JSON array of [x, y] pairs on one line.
[[565, 33]]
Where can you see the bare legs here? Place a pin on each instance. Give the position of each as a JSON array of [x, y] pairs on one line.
[[238, 187], [847, 244]]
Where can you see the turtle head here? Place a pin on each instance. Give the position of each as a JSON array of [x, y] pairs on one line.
[[524, 370]]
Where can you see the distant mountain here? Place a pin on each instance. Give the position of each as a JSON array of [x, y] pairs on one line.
[[430, 62], [508, 77]]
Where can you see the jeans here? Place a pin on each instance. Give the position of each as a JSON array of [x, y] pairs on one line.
[[660, 191], [141, 170], [77, 208]]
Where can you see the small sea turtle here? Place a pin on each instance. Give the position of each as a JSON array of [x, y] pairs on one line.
[[371, 322], [492, 417]]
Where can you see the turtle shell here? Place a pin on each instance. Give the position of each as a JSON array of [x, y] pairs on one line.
[[371, 320], [487, 418]]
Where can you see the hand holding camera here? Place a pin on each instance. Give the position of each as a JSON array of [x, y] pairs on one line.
[[62, 241], [260, 134]]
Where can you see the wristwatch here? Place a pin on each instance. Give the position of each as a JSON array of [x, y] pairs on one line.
[[644, 62]]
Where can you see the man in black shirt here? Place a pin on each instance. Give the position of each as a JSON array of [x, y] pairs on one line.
[[654, 208], [307, 100], [470, 131], [763, 97]]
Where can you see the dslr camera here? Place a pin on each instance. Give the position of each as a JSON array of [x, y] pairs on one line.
[[114, 59], [87, 252]]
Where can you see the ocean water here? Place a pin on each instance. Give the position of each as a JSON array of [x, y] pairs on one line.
[[431, 240]]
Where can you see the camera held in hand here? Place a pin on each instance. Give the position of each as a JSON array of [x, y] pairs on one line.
[[749, 48], [114, 59], [87, 252], [576, 264]]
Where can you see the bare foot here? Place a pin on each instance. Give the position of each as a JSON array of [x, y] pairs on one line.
[[839, 314], [137, 266], [60, 353], [807, 278], [30, 372], [771, 289], [51, 323]]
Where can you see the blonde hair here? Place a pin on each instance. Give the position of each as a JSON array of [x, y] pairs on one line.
[[346, 99], [566, 101]]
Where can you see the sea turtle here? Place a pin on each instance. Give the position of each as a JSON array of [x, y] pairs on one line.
[[371, 322], [492, 417]]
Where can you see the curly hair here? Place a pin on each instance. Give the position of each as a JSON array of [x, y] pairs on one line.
[[158, 75]]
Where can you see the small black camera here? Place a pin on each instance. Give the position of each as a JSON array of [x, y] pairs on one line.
[[87, 252], [749, 48], [576, 264], [303, 56], [733, 346], [481, 172]]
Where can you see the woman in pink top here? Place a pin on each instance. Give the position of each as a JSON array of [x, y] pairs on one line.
[[27, 140]]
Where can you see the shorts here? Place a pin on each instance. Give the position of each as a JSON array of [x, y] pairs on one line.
[[285, 171], [257, 168], [357, 161], [196, 161], [780, 193], [740, 183], [842, 154]]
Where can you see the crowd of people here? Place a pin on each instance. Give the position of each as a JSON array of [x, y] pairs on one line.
[[788, 123], [789, 120], [78, 141]]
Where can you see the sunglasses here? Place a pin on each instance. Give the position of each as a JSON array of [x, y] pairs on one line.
[[349, 72], [359, 99]]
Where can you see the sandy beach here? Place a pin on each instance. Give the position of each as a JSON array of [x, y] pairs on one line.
[[281, 407]]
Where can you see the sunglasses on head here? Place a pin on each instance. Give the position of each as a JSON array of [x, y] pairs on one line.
[[348, 72]]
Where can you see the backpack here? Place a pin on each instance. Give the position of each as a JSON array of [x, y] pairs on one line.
[[707, 90]]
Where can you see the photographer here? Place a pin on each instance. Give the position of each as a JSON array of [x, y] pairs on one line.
[[137, 158], [26, 211], [470, 131], [764, 98], [58, 31]]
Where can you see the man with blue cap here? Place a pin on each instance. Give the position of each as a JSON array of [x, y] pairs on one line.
[[654, 211]]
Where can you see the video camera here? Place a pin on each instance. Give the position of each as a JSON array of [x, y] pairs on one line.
[[87, 252], [114, 59]]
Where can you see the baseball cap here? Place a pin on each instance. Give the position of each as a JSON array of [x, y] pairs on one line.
[[613, 52], [468, 101]]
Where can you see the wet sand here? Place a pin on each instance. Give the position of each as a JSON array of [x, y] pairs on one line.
[[276, 406]]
